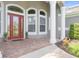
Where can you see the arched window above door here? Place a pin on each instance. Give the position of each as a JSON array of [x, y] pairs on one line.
[[15, 9]]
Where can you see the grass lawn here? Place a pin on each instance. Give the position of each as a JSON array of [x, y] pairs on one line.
[[73, 47]]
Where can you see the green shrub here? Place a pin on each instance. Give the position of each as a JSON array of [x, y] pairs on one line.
[[26, 35], [5, 35], [74, 49], [74, 31], [77, 54]]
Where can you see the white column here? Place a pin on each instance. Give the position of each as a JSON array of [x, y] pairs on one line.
[[2, 19], [62, 22], [52, 22]]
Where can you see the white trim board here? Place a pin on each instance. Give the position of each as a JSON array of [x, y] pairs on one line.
[[2, 18]]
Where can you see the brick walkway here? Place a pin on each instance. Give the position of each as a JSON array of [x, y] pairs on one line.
[[13, 49]]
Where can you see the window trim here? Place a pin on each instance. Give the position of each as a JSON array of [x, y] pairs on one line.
[[9, 11], [45, 16], [2, 18], [31, 33]]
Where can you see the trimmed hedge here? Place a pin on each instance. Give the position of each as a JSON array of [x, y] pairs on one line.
[[74, 31]]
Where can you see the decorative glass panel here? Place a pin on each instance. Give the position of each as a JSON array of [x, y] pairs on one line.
[[15, 25], [42, 13], [16, 9], [42, 20], [22, 24], [31, 11], [31, 28], [8, 25], [42, 28]]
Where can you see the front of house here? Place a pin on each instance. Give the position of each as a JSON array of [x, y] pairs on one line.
[[21, 17], [41, 20], [34, 17]]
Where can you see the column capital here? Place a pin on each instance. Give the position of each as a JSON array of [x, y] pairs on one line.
[[52, 3]]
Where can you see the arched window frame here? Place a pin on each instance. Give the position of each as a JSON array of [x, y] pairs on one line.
[[44, 16], [14, 11], [9, 11], [35, 15]]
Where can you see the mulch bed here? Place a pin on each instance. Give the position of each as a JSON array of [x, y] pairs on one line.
[[59, 44]]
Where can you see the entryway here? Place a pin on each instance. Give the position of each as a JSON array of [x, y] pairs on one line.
[[15, 26], [15, 22]]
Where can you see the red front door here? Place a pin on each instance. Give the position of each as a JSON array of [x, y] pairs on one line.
[[15, 26]]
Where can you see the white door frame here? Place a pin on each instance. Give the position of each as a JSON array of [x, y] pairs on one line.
[[2, 18], [42, 33], [31, 33], [8, 11]]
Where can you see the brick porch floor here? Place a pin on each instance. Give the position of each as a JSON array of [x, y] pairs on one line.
[[14, 49]]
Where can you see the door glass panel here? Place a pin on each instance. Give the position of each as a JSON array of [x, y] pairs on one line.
[[15, 25], [21, 27], [31, 24], [8, 25]]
